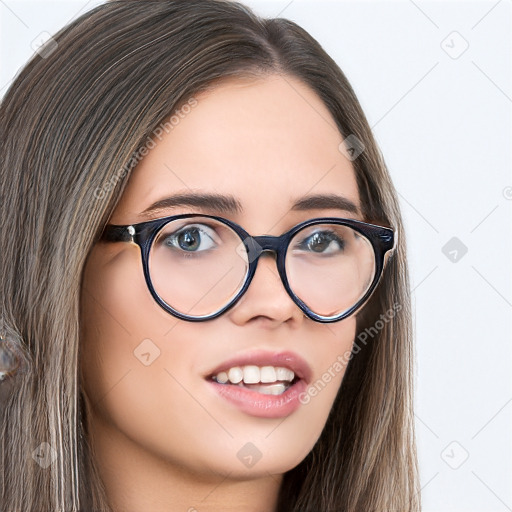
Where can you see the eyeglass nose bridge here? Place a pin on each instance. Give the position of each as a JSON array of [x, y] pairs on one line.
[[257, 245]]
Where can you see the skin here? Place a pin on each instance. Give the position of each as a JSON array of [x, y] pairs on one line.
[[163, 439]]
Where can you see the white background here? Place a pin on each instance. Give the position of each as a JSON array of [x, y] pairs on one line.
[[442, 118]]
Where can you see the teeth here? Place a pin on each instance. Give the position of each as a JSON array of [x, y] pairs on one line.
[[222, 377], [268, 374], [270, 389], [251, 374], [235, 375], [284, 374]]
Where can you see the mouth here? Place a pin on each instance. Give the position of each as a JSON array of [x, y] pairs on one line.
[[262, 383], [267, 380]]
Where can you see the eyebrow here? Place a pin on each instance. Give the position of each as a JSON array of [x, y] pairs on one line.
[[231, 205]]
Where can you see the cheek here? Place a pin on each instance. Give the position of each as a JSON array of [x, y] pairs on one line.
[[334, 348], [109, 293], [120, 325], [135, 372]]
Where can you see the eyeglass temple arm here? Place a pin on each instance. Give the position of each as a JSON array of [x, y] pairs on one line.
[[391, 252], [395, 241], [113, 233]]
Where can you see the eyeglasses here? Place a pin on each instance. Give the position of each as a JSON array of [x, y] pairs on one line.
[[198, 266]]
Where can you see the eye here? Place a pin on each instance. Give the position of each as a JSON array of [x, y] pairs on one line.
[[192, 238], [322, 242]]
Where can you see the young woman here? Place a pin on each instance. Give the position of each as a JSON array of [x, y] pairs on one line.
[[205, 297]]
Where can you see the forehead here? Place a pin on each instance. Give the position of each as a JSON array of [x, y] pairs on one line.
[[267, 142]]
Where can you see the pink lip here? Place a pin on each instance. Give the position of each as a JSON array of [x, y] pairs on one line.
[[259, 404]]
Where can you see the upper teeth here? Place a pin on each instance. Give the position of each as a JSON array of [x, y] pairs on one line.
[[254, 374]]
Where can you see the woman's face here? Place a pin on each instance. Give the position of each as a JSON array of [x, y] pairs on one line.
[[267, 143]]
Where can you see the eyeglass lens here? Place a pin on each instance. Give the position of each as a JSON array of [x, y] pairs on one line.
[[197, 266]]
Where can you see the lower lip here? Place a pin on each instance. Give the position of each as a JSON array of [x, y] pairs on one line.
[[259, 404]]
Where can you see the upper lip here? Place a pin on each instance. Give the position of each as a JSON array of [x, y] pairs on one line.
[[289, 360]]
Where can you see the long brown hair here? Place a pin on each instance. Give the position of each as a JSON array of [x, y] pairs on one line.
[[70, 125]]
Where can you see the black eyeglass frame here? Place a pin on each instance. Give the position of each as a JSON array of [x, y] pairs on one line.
[[383, 240]]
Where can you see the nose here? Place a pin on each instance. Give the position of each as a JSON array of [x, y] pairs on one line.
[[266, 295]]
